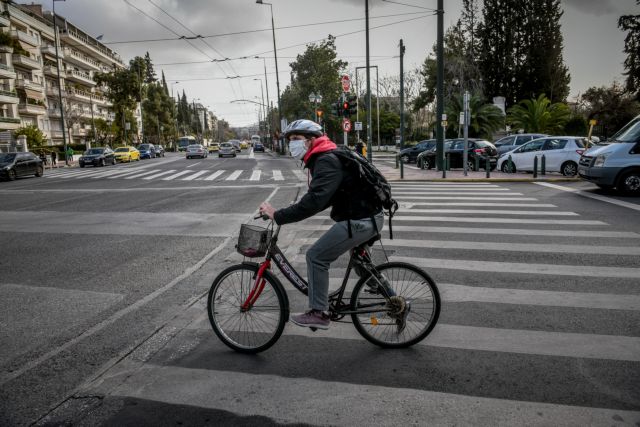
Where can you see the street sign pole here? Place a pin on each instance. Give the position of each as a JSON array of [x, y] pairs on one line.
[[465, 154]]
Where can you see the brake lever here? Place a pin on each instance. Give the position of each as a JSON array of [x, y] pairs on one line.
[[264, 216]]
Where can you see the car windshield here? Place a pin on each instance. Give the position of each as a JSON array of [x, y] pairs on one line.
[[122, 150], [629, 133], [7, 157], [94, 151], [225, 145], [144, 146], [483, 143]]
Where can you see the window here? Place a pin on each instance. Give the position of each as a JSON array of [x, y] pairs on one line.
[[505, 141], [532, 146], [554, 144], [522, 139]]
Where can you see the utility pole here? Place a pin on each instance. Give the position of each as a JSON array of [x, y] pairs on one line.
[[141, 114], [64, 136], [440, 89], [401, 105], [366, 13]]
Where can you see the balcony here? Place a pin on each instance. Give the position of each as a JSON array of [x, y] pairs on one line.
[[52, 91], [7, 72], [50, 70], [54, 112], [8, 97], [25, 38], [31, 109], [90, 46], [25, 61], [27, 84], [78, 94], [51, 50], [100, 100], [4, 21], [55, 133], [9, 123], [80, 77], [80, 59]]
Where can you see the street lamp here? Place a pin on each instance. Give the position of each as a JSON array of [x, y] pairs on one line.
[[266, 84], [264, 111], [275, 55], [315, 99], [55, 30]]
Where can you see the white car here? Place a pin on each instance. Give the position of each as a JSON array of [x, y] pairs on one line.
[[561, 154]]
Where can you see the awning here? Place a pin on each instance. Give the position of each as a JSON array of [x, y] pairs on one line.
[[33, 94]]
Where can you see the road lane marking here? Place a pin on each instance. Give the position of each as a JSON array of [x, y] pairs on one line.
[[194, 164], [159, 174], [255, 175], [195, 175], [450, 192], [299, 174], [493, 212], [175, 175], [142, 174], [438, 187], [591, 196], [459, 219], [277, 175], [409, 205], [515, 199], [522, 268], [215, 175], [125, 173], [234, 175]]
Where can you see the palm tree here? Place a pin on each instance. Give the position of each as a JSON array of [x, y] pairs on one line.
[[485, 118], [539, 115]]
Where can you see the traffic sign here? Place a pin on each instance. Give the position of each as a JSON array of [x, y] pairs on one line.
[[346, 125], [592, 122], [358, 125], [346, 83]]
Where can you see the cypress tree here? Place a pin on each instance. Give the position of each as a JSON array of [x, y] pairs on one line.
[[631, 24], [150, 74]]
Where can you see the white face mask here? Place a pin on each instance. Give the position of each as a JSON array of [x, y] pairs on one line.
[[297, 148]]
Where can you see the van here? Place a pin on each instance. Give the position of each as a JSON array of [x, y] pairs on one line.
[[616, 164]]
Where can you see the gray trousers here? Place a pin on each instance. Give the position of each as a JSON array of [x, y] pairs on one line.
[[328, 248]]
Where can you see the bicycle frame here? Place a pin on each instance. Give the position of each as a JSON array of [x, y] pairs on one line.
[[359, 256]]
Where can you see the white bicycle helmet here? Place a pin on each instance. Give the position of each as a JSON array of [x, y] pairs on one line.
[[303, 127]]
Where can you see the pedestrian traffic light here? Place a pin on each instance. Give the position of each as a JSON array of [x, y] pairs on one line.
[[353, 104], [345, 108]]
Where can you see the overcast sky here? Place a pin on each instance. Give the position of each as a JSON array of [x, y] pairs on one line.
[[593, 43]]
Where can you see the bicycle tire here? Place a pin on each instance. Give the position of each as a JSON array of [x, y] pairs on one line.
[[256, 329], [410, 282]]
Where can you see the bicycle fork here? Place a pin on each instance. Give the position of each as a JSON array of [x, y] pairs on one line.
[[257, 288]]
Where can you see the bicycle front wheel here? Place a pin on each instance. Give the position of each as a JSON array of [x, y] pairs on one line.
[[256, 328], [405, 320]]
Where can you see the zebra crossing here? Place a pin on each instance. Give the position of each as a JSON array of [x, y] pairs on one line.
[[143, 173], [540, 325]]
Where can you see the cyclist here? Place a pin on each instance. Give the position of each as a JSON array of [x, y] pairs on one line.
[[357, 219]]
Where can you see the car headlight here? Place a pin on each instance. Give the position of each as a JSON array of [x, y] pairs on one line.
[[600, 160]]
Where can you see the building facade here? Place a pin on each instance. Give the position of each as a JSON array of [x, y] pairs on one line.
[[31, 92]]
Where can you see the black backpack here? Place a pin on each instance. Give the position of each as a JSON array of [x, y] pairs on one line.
[[371, 182]]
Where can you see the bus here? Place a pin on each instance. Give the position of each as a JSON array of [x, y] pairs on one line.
[[254, 139], [185, 141]]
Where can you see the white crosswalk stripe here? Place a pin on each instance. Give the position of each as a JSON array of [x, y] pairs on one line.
[[255, 175], [157, 175], [277, 175], [214, 175], [234, 175], [195, 175], [138, 175], [175, 175], [540, 321]]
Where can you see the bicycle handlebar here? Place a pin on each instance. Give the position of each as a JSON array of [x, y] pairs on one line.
[[264, 216]]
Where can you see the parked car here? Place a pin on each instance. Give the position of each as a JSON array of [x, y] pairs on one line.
[[454, 149], [226, 149], [410, 154], [158, 150], [616, 164], [511, 142], [147, 151], [258, 146], [561, 154], [196, 150], [99, 156], [126, 154], [13, 165], [213, 147], [236, 144]]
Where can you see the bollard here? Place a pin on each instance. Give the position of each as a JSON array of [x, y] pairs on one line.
[[543, 162], [510, 164], [397, 159], [535, 166], [476, 160], [488, 167], [447, 162]]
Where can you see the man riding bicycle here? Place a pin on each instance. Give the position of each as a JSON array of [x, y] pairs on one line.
[[357, 219]]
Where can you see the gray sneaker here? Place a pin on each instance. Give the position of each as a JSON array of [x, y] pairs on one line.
[[311, 319]]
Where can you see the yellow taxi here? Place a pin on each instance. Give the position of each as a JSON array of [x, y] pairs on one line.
[[214, 146], [244, 145], [126, 154]]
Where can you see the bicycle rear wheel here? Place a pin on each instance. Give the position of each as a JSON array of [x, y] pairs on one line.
[[414, 290], [252, 330]]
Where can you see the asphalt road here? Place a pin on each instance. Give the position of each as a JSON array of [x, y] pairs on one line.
[[102, 309]]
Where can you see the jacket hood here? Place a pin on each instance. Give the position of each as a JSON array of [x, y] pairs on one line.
[[321, 145]]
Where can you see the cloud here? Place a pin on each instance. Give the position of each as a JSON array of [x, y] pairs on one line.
[[593, 7]]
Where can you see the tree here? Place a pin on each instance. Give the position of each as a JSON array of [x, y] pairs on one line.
[[158, 113], [35, 137], [631, 24], [103, 130], [521, 50], [317, 71], [539, 115], [486, 119], [611, 106], [149, 73]]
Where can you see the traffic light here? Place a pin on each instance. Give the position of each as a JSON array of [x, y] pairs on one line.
[[353, 104], [336, 109], [345, 108]]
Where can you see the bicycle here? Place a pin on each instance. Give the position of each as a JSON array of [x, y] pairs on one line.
[[392, 305]]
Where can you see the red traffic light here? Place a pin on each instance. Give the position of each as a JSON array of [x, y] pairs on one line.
[[345, 105]]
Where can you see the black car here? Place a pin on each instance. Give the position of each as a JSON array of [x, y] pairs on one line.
[[99, 156], [257, 146], [158, 150], [410, 154], [13, 165], [454, 150]]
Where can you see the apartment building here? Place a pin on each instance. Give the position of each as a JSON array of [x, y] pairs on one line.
[[29, 86]]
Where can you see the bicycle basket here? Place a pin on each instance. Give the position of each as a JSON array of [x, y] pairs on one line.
[[253, 241]]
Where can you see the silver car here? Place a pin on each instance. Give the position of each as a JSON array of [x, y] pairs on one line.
[[196, 150], [226, 149]]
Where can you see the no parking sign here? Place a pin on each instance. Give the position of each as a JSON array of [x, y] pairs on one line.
[[346, 125]]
